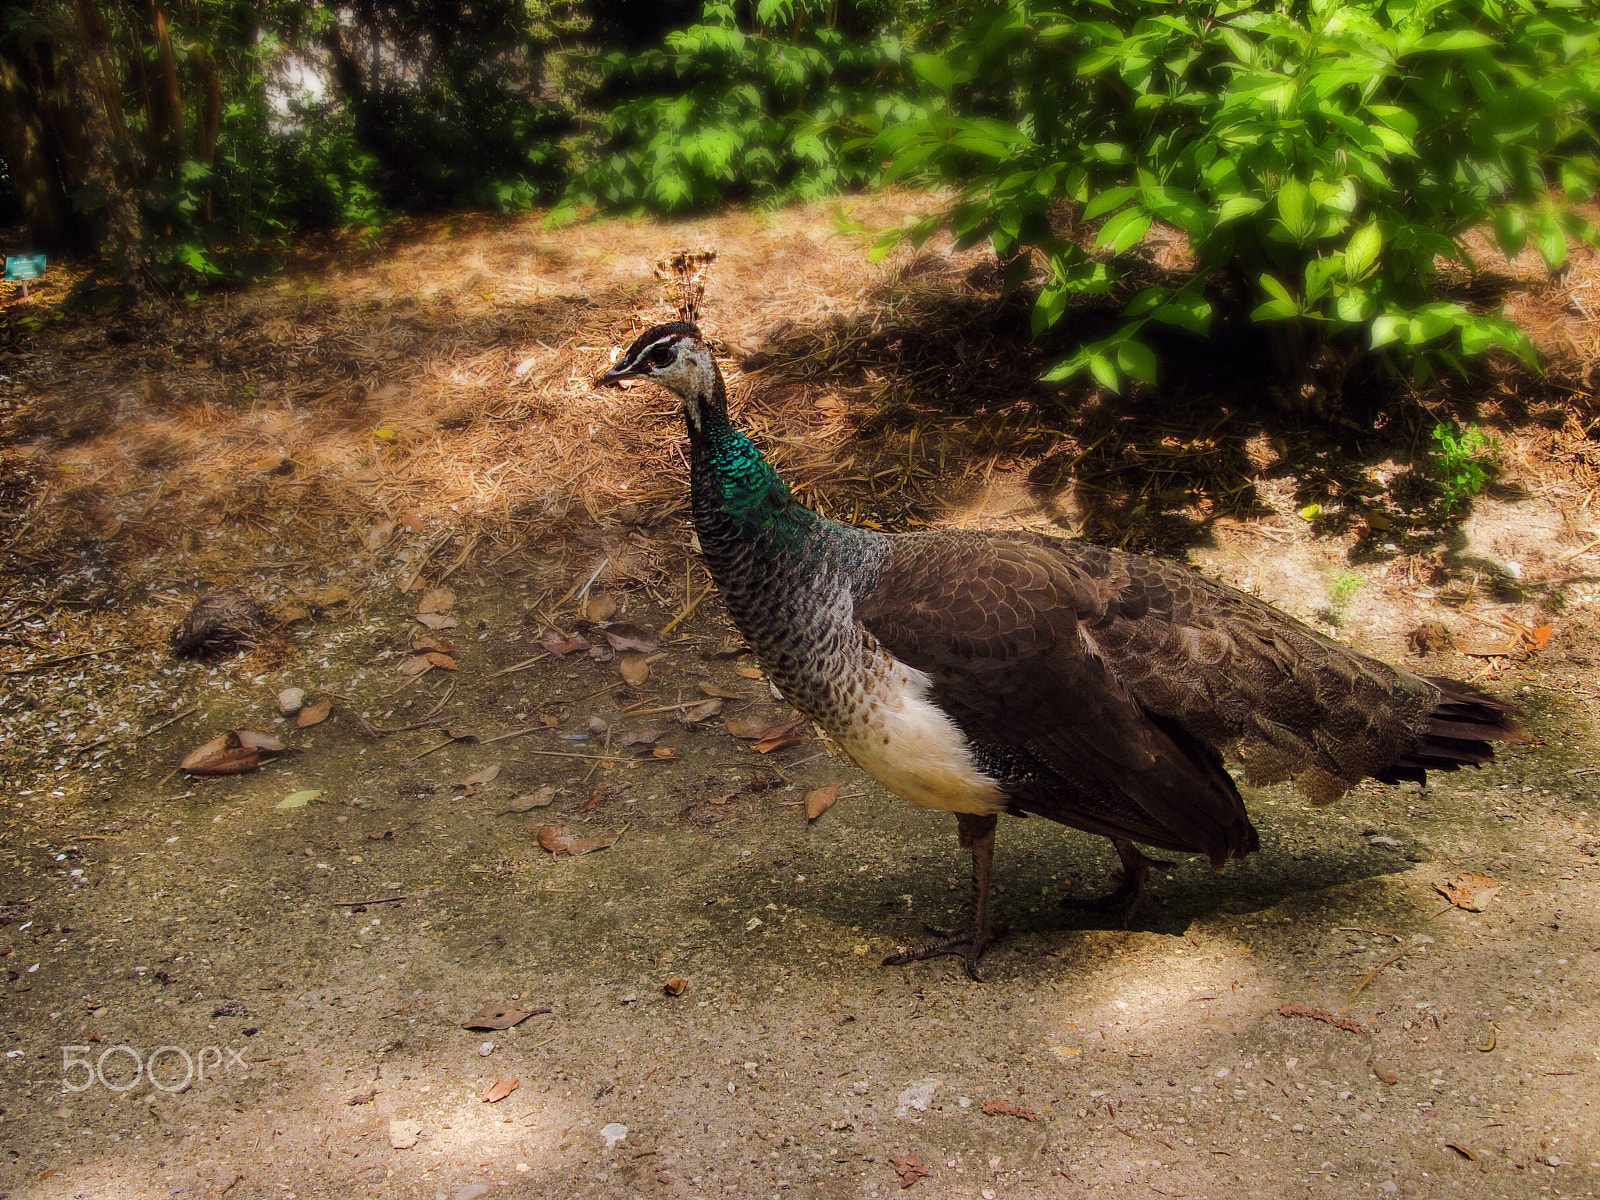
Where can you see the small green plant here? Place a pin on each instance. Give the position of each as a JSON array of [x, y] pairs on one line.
[[1463, 463], [1343, 589]]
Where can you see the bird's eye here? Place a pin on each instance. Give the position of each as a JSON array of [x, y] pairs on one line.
[[661, 356]]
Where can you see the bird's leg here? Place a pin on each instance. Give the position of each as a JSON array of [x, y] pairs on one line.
[[973, 833], [1126, 897]]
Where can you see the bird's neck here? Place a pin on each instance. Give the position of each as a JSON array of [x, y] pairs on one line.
[[774, 560]]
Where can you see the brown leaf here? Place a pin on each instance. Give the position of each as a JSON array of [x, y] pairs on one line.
[[598, 841], [634, 669], [496, 1016], [481, 776], [437, 600], [676, 986], [711, 689], [1469, 891], [702, 712], [500, 1090], [601, 607], [424, 642], [1385, 1075], [416, 666], [1462, 1150], [750, 728], [332, 597], [748, 672], [543, 798], [555, 838], [437, 621], [1002, 1108], [1535, 639], [254, 739], [379, 534], [441, 660], [1292, 1009], [642, 737], [780, 736], [664, 752], [624, 635], [601, 794], [313, 714], [1485, 648], [222, 755], [561, 647], [910, 1169], [820, 800]]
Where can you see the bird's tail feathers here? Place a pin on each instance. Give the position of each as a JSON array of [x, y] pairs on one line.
[[1457, 733]]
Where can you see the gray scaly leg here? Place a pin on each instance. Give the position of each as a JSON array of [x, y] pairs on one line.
[[975, 834]]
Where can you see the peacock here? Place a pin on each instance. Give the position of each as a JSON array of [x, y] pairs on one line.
[[982, 673]]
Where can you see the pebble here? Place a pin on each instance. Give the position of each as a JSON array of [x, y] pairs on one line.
[[291, 700], [403, 1133], [614, 1132]]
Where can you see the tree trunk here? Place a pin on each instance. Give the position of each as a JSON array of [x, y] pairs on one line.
[[35, 168]]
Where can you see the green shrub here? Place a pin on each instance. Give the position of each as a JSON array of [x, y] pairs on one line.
[[724, 112], [1462, 464], [1320, 158]]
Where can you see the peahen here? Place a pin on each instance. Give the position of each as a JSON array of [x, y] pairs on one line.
[[988, 673]]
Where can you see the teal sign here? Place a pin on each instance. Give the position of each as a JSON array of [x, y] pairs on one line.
[[24, 266]]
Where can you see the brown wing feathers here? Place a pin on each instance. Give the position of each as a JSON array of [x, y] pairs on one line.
[[1100, 687]]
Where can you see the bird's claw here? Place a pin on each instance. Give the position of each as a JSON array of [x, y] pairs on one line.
[[969, 944]]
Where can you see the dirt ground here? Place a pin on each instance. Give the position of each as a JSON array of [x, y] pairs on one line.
[[259, 984]]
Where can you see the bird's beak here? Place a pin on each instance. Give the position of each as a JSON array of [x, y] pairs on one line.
[[613, 377]]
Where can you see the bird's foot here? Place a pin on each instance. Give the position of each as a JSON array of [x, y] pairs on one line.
[[1125, 898], [968, 943]]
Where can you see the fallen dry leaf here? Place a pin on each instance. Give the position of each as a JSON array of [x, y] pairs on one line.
[[561, 647], [624, 635], [600, 608], [224, 754], [432, 643], [1003, 1108], [254, 739], [642, 737], [437, 600], [711, 689], [440, 660], [601, 794], [1292, 1009], [1461, 1150], [702, 712], [748, 672], [558, 839], [475, 782], [664, 752], [820, 800], [1535, 639], [379, 534], [497, 1016], [313, 714], [1385, 1075], [910, 1169], [500, 1090], [1469, 891], [437, 621], [676, 986], [543, 798], [1484, 648], [634, 669], [781, 736], [415, 666]]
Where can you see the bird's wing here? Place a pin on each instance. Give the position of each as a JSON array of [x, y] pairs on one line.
[[1234, 671], [1003, 629]]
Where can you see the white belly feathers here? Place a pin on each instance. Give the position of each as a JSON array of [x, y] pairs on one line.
[[911, 747]]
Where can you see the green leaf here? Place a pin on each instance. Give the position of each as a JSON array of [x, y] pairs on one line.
[[1136, 360], [936, 69], [1361, 251], [1100, 367], [1124, 230], [1386, 328], [1297, 210], [1235, 207], [1107, 200]]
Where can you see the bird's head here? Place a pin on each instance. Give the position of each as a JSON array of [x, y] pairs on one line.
[[673, 356]]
